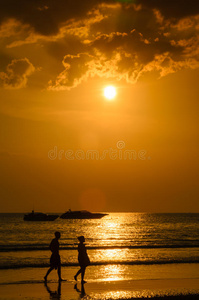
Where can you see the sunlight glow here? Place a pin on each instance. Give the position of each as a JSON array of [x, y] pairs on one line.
[[113, 273], [110, 92]]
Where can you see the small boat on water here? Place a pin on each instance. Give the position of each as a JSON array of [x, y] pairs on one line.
[[81, 214], [37, 216]]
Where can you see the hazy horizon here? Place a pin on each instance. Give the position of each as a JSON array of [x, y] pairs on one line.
[[108, 212]]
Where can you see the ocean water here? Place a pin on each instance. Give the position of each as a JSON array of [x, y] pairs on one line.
[[119, 239]]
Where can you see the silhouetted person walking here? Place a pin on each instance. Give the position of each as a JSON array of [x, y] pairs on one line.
[[82, 258], [55, 262]]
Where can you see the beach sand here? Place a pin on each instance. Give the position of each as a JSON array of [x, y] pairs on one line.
[[28, 284]]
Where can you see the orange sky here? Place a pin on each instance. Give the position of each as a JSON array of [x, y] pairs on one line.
[[55, 61]]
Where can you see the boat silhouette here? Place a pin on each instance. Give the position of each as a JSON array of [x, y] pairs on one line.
[[81, 214], [38, 216]]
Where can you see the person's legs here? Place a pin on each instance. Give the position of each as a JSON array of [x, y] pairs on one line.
[[80, 270], [48, 272], [59, 272], [82, 274]]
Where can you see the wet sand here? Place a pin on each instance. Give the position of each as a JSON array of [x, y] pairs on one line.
[[102, 290], [28, 284]]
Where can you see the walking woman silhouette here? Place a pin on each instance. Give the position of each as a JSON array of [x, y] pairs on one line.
[[83, 258]]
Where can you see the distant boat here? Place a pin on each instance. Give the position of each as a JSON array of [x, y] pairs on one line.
[[37, 216], [81, 214]]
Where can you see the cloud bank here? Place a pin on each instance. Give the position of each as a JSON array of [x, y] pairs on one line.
[[112, 39]]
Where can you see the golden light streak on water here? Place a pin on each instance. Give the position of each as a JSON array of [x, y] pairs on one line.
[[113, 273]]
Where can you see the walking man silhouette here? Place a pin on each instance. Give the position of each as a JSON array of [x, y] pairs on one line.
[[55, 261]]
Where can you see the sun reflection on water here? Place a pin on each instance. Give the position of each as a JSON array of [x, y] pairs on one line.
[[112, 225], [113, 273], [114, 254], [117, 295]]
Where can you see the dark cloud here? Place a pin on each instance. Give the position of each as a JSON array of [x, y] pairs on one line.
[[76, 69], [17, 73], [124, 18], [173, 8], [45, 16], [127, 56]]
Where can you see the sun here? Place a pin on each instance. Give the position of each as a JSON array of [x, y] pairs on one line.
[[110, 92]]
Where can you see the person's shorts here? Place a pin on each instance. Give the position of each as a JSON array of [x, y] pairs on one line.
[[55, 261]]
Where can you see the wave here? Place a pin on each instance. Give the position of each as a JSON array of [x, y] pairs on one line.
[[102, 263], [15, 248]]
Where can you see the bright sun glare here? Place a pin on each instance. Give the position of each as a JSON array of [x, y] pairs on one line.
[[110, 92]]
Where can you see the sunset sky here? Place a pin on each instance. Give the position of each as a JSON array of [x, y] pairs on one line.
[[62, 142]]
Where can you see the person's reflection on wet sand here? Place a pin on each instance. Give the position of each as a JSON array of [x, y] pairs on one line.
[[54, 294], [81, 292]]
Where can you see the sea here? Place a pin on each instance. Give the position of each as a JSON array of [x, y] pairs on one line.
[[121, 239], [132, 255]]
